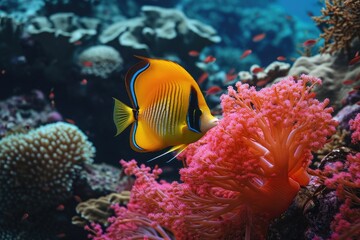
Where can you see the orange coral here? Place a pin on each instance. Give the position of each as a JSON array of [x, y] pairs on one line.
[[342, 24]]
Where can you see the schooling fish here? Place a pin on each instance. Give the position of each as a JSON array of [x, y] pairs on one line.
[[168, 108]]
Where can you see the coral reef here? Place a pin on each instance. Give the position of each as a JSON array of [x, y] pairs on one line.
[[21, 113], [56, 38], [241, 174], [62, 25], [340, 21], [334, 71], [100, 61], [263, 76], [103, 179], [156, 32], [37, 169], [99, 210], [21, 10]]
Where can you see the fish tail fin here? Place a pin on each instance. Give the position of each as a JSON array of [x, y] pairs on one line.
[[123, 116]]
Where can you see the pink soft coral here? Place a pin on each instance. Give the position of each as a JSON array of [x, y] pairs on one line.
[[343, 176], [355, 126], [243, 172], [256, 158]]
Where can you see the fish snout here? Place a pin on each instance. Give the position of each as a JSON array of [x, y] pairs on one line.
[[207, 125]]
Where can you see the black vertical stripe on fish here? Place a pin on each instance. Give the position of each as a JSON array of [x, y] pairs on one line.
[[194, 112]]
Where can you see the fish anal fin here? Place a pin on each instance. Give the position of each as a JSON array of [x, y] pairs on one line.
[[123, 116], [178, 148], [144, 139]]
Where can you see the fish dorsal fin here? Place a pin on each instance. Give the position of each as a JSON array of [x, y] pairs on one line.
[[180, 148], [130, 79], [149, 75]]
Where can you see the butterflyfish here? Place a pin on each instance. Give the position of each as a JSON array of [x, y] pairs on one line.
[[168, 108]]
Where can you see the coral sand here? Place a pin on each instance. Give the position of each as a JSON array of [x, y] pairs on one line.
[[240, 175]]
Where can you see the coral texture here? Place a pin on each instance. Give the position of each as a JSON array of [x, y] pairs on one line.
[[157, 31], [99, 210], [100, 61], [341, 21], [332, 70], [37, 169], [343, 177], [20, 113], [355, 126], [241, 174], [270, 73]]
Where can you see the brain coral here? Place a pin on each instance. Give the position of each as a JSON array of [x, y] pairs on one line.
[[100, 61], [37, 169]]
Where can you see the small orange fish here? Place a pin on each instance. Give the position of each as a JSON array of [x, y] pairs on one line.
[[202, 78], [87, 64], [281, 58], [209, 59], [257, 70], [77, 198], [168, 108], [51, 94], [309, 43], [193, 53], [84, 82], [259, 37], [61, 235], [246, 53], [77, 43], [352, 92], [70, 121], [61, 207], [348, 82], [262, 83], [230, 77], [213, 90], [24, 217], [355, 60]]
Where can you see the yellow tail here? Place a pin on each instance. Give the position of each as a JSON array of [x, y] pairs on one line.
[[123, 116]]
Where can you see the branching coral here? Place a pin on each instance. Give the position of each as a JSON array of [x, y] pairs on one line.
[[343, 176], [37, 169], [342, 24], [242, 173]]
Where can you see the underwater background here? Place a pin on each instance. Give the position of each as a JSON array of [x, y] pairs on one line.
[[283, 162]]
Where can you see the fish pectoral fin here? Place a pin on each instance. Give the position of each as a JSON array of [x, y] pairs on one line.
[[123, 116]]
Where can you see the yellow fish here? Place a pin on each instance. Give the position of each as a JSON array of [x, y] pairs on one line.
[[168, 108]]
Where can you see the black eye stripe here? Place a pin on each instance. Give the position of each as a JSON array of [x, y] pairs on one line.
[[194, 113]]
